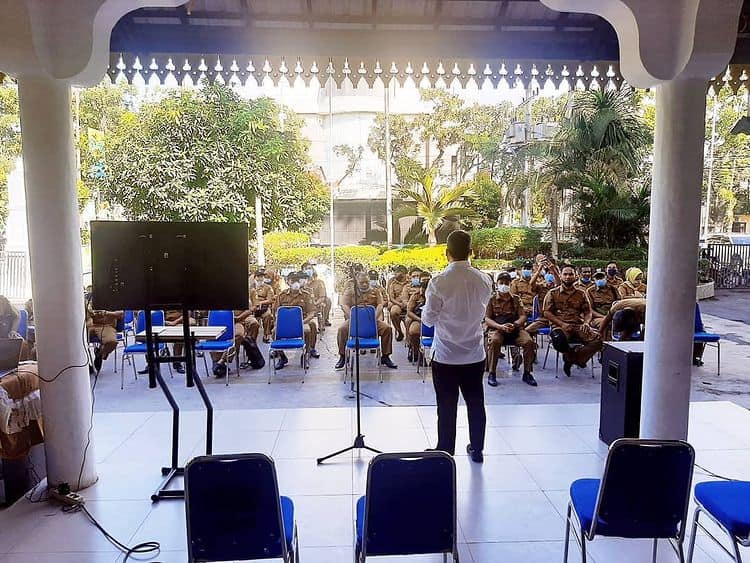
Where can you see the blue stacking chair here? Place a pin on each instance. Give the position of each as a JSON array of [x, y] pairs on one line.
[[290, 335], [703, 337], [96, 342], [23, 324], [644, 493], [727, 504], [234, 511], [362, 319], [139, 348], [425, 343], [409, 507], [225, 343], [128, 324]]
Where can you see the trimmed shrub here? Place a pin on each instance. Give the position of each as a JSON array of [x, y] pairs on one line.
[[505, 242], [430, 258], [285, 239], [295, 257]]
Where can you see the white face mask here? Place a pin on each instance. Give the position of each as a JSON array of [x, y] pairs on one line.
[[295, 286], [373, 284], [513, 275], [503, 288]]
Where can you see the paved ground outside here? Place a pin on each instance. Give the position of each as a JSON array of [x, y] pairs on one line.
[[728, 314]]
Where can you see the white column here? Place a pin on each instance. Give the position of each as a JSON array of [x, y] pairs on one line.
[[672, 257], [260, 242], [388, 187], [55, 250]]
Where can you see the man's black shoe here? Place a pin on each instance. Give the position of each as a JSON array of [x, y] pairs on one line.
[[410, 356], [492, 380], [340, 364], [178, 367], [386, 361], [281, 362], [314, 353], [476, 456], [97, 360], [143, 371], [528, 379], [517, 361], [399, 336], [566, 367], [697, 362]]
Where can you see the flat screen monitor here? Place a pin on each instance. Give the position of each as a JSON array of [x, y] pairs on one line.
[[152, 264]]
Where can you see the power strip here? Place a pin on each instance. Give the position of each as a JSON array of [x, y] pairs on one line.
[[68, 499]]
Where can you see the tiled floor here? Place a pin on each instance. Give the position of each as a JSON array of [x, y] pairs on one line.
[[510, 509]]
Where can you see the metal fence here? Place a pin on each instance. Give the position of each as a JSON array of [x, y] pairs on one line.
[[15, 280], [730, 265]]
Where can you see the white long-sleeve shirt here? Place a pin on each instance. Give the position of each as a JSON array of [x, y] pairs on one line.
[[456, 301]]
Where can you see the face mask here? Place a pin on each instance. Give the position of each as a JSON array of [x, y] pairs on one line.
[[267, 281], [586, 279], [526, 274], [295, 286], [303, 283], [612, 272], [513, 275], [502, 288], [415, 282], [601, 283], [309, 272], [373, 284], [258, 283], [550, 278]]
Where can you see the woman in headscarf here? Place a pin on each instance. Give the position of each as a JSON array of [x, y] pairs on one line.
[[634, 286]]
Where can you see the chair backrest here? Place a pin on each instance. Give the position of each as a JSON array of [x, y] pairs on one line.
[[289, 323], [534, 308], [23, 323], [157, 319], [362, 322], [645, 489], [120, 325], [698, 319], [428, 331], [128, 316], [225, 319], [423, 487], [232, 508]]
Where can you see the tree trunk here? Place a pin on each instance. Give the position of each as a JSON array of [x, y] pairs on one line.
[[553, 220], [432, 237]]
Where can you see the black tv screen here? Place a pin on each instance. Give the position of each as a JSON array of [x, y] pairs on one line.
[[136, 265]]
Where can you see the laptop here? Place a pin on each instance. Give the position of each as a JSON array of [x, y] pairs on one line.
[[10, 354]]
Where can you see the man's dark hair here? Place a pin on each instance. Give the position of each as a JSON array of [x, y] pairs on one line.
[[564, 266], [459, 245]]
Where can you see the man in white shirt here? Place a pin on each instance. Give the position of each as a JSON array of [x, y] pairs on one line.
[[456, 301]]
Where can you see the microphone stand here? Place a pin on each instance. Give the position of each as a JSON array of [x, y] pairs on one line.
[[359, 439]]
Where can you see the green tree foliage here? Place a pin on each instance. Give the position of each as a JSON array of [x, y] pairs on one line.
[[204, 155], [505, 242], [10, 141]]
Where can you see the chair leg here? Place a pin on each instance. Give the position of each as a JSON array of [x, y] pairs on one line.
[[205, 365], [544, 365], [115, 362], [693, 533], [718, 359], [680, 552], [654, 549], [378, 357], [583, 547], [567, 536]]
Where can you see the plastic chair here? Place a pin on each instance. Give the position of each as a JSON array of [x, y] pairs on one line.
[[362, 319], [703, 337], [225, 342], [23, 324], [290, 335], [130, 350], [425, 343], [234, 511], [727, 505], [644, 493], [423, 488]]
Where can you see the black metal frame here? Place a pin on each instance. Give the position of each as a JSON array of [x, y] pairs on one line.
[[192, 378]]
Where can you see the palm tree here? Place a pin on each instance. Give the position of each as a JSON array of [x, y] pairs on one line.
[[430, 203]]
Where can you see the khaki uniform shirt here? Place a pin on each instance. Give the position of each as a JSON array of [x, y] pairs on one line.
[[602, 299], [569, 305], [505, 308], [408, 291], [263, 293], [522, 288], [416, 301], [172, 316], [615, 282], [541, 289], [303, 299], [585, 286], [395, 290], [371, 296], [638, 304], [318, 288], [103, 318], [627, 290]]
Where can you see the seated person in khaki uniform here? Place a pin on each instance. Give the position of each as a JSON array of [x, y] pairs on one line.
[[601, 295], [410, 289], [626, 316], [633, 285], [295, 296], [101, 325], [365, 295], [546, 277], [505, 319], [613, 275], [317, 287], [569, 312], [414, 313], [262, 298], [396, 306], [521, 288], [174, 318], [584, 279]]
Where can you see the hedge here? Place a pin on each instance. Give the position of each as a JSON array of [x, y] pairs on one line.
[[430, 258], [505, 242], [281, 240]]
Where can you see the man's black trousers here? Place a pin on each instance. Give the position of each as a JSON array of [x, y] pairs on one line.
[[448, 380]]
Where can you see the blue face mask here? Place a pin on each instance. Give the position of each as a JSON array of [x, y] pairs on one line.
[[526, 274], [550, 278], [601, 283], [585, 280], [415, 282]]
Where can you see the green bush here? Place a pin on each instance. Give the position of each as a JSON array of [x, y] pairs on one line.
[[505, 242], [295, 257], [574, 251], [430, 258], [285, 239]]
